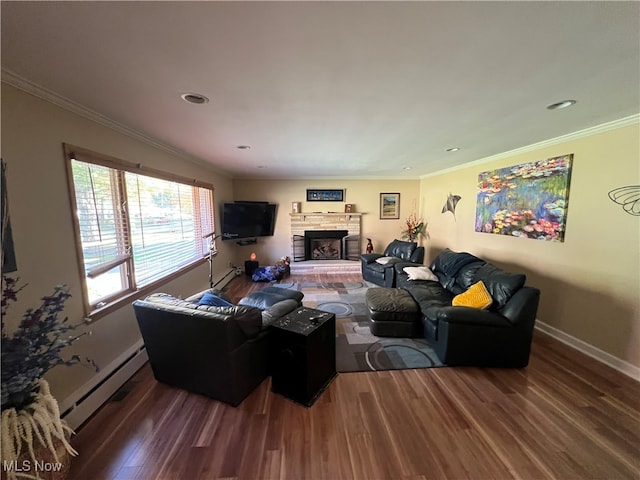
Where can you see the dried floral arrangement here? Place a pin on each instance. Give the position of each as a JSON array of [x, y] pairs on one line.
[[29, 411]]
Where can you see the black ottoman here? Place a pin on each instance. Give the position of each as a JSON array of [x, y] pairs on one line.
[[393, 313]]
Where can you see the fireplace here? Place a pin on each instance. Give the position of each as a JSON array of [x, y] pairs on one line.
[[324, 244], [347, 225]]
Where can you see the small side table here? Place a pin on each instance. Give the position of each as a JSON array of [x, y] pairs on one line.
[[250, 266], [303, 354]]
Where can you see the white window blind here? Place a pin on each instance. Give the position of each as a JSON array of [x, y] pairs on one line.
[[104, 242], [135, 229], [168, 221]]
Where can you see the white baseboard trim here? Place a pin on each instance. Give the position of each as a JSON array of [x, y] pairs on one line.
[[84, 402], [594, 352]]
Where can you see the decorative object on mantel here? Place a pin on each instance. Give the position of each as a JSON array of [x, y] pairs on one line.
[[296, 207], [349, 208], [323, 195], [450, 204], [527, 201], [32, 430], [389, 206], [369, 246], [628, 197], [415, 228]]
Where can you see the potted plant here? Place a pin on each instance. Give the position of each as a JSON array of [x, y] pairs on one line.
[[34, 438], [414, 228]]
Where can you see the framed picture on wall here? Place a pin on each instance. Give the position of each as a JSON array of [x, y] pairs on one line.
[[322, 195], [389, 206]]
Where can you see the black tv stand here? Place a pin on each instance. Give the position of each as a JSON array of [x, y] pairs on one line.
[[248, 241]]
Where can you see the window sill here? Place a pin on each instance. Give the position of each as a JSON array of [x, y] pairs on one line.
[[129, 297]]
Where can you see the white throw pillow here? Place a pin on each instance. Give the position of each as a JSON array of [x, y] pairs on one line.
[[420, 273], [384, 260]]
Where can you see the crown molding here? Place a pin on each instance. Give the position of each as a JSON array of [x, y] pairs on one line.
[[605, 127], [39, 91]]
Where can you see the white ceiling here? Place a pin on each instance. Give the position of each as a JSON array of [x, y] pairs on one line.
[[334, 89]]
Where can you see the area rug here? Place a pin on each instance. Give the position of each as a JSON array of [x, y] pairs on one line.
[[357, 349]]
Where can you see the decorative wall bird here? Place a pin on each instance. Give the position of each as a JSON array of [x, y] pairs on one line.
[[450, 204]]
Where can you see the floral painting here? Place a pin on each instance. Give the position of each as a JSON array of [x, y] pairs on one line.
[[527, 201]]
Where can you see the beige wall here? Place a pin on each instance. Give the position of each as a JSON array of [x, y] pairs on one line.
[[365, 194], [33, 131], [590, 283]]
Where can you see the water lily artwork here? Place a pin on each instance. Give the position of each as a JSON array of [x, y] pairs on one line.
[[526, 201]]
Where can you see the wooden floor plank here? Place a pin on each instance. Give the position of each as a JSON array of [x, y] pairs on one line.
[[565, 416]]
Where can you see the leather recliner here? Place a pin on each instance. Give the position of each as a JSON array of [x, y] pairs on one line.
[[219, 352], [383, 274]]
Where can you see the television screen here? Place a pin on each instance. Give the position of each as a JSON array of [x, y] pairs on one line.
[[269, 221], [247, 220]]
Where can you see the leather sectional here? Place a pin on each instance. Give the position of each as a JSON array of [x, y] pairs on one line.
[[497, 336]]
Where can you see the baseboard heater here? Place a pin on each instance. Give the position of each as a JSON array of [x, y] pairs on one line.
[[85, 401], [225, 277]]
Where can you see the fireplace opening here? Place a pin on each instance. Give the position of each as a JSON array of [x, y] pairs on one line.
[[325, 249], [324, 244]]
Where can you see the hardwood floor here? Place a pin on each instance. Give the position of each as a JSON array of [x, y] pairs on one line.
[[566, 416]]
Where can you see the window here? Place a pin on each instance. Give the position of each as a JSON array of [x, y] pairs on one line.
[[134, 229]]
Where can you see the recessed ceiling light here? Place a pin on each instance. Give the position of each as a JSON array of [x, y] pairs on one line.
[[452, 149], [243, 147], [562, 104], [194, 98], [406, 168]]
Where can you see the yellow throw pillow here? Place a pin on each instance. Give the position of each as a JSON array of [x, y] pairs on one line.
[[476, 296]]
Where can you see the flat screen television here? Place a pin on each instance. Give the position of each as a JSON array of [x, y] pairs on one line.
[[241, 220]]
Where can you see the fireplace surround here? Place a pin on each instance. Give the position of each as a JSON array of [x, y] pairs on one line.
[[339, 238]]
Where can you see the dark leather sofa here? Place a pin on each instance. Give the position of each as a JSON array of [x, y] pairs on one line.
[[220, 352], [499, 336], [384, 274]]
